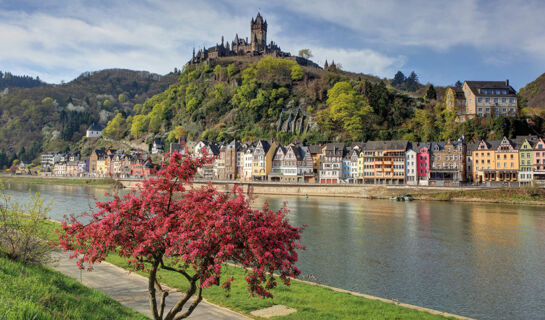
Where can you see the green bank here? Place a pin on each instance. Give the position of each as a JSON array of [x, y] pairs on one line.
[[310, 301], [35, 291], [58, 181]]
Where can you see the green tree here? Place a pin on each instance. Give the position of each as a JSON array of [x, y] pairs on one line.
[[297, 73], [412, 82], [122, 98], [116, 128], [431, 94], [399, 79], [107, 104], [139, 125], [305, 53], [348, 109], [176, 134], [231, 70]]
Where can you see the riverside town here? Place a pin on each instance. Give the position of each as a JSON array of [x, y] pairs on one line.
[[513, 162], [286, 160]]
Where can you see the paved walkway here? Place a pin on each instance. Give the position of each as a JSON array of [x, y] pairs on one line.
[[130, 289]]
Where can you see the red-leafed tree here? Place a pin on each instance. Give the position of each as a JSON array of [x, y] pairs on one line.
[[168, 224]]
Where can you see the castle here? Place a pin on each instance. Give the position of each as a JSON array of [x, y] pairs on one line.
[[242, 47]]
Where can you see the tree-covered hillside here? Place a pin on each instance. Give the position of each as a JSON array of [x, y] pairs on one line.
[[275, 98], [8, 80], [53, 117], [532, 96]]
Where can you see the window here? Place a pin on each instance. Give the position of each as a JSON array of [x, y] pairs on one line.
[[480, 100], [504, 91], [503, 99], [495, 99], [512, 100]]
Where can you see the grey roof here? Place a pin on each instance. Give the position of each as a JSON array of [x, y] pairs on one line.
[[315, 148], [337, 149], [475, 87], [471, 147], [95, 127], [384, 145]]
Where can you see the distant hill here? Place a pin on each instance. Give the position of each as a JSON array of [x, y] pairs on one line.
[[533, 93], [52, 117], [8, 80]]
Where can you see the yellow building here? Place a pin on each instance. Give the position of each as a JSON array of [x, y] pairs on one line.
[[495, 161], [507, 161], [262, 160], [103, 166]]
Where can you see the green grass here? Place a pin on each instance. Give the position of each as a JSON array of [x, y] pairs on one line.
[[310, 301], [41, 180], [38, 292]]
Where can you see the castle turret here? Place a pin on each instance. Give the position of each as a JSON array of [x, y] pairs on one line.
[[326, 65], [259, 32]]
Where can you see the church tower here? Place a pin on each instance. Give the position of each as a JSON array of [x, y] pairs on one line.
[[258, 33]]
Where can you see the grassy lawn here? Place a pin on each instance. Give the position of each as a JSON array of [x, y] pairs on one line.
[[41, 180], [311, 302], [39, 292]]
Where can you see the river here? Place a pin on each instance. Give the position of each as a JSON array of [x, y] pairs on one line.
[[484, 261]]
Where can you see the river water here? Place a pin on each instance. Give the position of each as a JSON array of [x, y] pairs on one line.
[[484, 261]]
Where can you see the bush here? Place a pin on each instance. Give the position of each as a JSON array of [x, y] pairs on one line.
[[21, 233]]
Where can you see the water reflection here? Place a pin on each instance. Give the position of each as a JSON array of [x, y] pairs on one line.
[[480, 260]]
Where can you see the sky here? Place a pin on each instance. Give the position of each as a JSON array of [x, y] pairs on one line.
[[442, 41]]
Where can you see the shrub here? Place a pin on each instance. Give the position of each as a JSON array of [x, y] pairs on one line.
[[21, 234]]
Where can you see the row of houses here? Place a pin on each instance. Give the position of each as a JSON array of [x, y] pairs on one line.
[[101, 163], [398, 162]]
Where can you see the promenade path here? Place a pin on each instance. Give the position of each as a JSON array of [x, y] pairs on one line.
[[130, 289]]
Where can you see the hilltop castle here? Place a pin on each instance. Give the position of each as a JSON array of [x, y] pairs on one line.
[[242, 47]]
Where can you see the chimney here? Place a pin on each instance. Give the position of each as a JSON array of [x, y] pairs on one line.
[[507, 82]]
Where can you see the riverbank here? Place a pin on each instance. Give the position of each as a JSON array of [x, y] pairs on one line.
[[523, 195], [34, 291], [59, 180], [508, 195], [312, 301]]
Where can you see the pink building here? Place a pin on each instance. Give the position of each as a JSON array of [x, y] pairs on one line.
[[539, 155], [423, 163]]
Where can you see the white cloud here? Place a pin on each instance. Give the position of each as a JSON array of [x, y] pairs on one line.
[[60, 40], [439, 25]]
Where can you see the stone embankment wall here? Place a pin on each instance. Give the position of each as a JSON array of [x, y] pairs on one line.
[[301, 189]]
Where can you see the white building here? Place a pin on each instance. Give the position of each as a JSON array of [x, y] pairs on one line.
[[94, 131], [248, 164], [411, 166]]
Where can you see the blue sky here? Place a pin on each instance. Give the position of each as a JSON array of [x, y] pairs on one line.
[[442, 41]]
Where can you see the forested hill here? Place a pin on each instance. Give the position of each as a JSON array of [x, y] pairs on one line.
[[533, 96], [276, 98], [8, 80], [54, 117]]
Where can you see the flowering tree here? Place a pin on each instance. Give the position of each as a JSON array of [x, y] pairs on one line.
[[167, 224]]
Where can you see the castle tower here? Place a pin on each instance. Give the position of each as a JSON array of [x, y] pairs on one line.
[[259, 32]]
